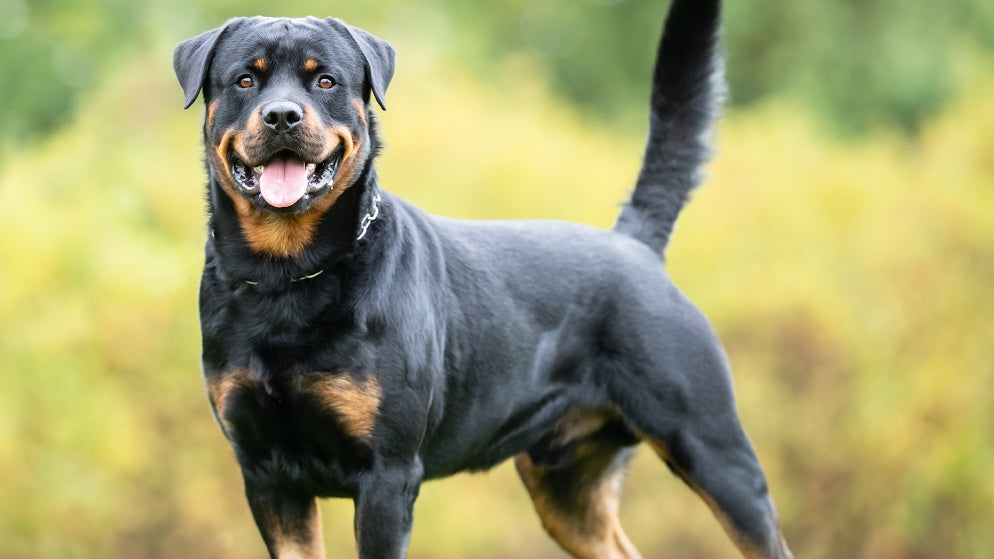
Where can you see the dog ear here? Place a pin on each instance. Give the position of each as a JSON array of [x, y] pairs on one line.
[[192, 58], [379, 55]]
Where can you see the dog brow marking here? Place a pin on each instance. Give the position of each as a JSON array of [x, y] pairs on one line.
[[356, 403], [260, 64], [310, 65]]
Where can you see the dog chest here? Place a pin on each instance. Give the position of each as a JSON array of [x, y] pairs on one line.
[[312, 429]]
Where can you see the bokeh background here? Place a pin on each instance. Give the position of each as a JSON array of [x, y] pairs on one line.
[[843, 246]]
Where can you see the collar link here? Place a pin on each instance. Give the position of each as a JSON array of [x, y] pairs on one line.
[[370, 217]]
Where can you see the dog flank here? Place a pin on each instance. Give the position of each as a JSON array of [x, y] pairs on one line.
[[355, 346]]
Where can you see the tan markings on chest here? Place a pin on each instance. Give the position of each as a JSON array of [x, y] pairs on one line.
[[355, 402], [219, 389]]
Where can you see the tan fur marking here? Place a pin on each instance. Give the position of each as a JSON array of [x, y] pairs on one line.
[[308, 545], [285, 235], [350, 162], [282, 235], [211, 109], [259, 64], [254, 128], [336, 136], [356, 403], [310, 65], [220, 388], [219, 160], [595, 533], [578, 423], [360, 109], [279, 235]]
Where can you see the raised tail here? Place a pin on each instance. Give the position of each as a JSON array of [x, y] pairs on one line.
[[687, 86]]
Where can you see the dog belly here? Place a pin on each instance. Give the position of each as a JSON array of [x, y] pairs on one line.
[[511, 393], [490, 436]]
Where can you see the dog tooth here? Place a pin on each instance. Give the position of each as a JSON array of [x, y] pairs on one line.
[[310, 168], [259, 169]]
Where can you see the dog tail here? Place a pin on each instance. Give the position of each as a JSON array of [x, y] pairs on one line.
[[687, 87]]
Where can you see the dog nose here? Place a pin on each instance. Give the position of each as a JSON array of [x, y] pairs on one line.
[[282, 116]]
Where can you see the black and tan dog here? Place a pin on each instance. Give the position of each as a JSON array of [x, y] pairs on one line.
[[354, 346]]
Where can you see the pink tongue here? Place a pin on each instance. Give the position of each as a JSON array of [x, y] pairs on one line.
[[283, 181]]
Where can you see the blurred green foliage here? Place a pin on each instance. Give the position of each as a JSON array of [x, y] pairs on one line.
[[849, 279]]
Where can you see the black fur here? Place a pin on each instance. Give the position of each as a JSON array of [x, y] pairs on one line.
[[359, 367], [687, 87]]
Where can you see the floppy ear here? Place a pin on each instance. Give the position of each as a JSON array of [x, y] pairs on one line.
[[379, 56], [192, 58]]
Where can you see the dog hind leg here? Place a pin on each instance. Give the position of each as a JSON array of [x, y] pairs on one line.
[[577, 502], [674, 388]]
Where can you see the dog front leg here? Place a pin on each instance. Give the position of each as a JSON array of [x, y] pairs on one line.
[[290, 524], [385, 509]]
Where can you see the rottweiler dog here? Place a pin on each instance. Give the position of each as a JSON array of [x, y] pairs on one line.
[[355, 346]]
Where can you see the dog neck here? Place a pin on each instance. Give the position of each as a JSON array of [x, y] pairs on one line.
[[341, 233]]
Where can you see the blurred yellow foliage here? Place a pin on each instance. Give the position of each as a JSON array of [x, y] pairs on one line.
[[851, 283]]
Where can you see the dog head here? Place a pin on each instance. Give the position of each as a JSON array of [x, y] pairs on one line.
[[287, 122]]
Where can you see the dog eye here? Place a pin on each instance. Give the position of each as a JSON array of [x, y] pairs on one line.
[[326, 82], [246, 81]]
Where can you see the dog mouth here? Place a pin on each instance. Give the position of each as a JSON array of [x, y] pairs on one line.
[[286, 178]]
